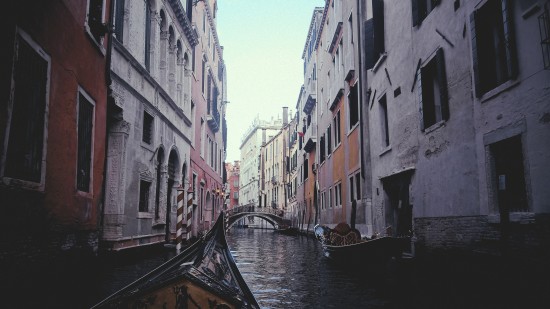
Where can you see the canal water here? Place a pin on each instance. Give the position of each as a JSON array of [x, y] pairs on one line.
[[291, 272]]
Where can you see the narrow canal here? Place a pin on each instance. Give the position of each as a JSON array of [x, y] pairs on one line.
[[290, 272]]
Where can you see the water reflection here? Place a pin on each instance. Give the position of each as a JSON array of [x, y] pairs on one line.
[[290, 272]]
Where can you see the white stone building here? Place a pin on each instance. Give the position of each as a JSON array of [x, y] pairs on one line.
[[150, 125]]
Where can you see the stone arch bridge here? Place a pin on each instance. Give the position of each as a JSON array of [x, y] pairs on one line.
[[271, 215]]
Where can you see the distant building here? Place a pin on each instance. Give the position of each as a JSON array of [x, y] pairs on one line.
[[232, 190], [258, 133], [52, 127], [274, 176]]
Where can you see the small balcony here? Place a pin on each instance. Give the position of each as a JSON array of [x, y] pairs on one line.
[[310, 137], [213, 119], [311, 97]]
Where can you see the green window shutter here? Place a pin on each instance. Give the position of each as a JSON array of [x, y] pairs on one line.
[[442, 80], [420, 101], [477, 79], [508, 24]]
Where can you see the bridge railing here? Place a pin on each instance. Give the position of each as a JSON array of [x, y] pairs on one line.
[[253, 208]]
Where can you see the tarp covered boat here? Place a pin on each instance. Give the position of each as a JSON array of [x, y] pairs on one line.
[[345, 245]]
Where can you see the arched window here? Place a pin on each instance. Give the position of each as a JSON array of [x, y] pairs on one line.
[[163, 47]]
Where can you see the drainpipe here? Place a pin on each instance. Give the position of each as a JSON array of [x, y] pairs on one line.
[[108, 82], [360, 93]]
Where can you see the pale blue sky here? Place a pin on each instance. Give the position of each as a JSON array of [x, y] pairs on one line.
[[263, 42]]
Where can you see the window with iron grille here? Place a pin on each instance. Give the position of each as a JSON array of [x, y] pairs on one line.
[[493, 45], [85, 142], [25, 147], [144, 189], [147, 136]]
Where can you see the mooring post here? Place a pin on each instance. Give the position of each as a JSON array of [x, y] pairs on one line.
[[179, 221]]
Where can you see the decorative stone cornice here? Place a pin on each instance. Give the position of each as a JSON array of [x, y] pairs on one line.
[[184, 22]]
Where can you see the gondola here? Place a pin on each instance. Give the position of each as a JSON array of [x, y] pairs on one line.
[[289, 231], [345, 245], [204, 275]]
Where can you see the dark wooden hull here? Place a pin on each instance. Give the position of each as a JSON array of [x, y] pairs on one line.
[[368, 251], [291, 231], [363, 252], [204, 275]]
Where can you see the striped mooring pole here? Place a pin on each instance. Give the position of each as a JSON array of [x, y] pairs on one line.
[[189, 215], [179, 225]]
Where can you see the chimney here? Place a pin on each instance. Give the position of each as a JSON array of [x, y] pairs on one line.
[[264, 133], [285, 116]]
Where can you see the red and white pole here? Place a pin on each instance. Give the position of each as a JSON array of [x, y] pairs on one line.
[[189, 213], [179, 222]]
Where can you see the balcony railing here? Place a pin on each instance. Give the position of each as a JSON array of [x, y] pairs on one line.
[[213, 119]]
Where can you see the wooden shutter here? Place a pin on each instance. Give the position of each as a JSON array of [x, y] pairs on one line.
[[477, 79], [442, 80], [378, 27], [420, 101], [508, 24], [369, 44]]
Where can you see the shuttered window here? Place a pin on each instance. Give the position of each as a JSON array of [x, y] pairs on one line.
[[85, 134], [384, 125], [147, 134], [353, 107], [95, 19], [144, 189], [119, 20], [493, 45], [26, 132], [322, 149], [374, 34], [329, 141], [432, 91], [421, 9]]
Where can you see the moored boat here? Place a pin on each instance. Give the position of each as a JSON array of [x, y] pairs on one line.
[[345, 245], [202, 276], [290, 231]]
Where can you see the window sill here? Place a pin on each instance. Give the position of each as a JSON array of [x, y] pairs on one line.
[[515, 217], [435, 126], [385, 150], [96, 44], [147, 146], [144, 215], [85, 194], [353, 128], [24, 184], [498, 90], [379, 62]]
